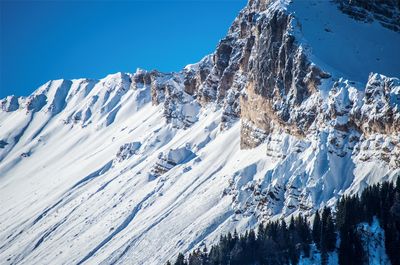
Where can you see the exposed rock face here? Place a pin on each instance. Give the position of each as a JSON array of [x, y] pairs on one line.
[[196, 74], [313, 132], [258, 73], [9, 104], [172, 158], [128, 150], [257, 61], [263, 75], [173, 91], [36, 102], [378, 118], [381, 104], [387, 12]]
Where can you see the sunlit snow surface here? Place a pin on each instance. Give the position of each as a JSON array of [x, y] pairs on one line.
[[79, 177], [83, 190], [340, 45], [66, 198]]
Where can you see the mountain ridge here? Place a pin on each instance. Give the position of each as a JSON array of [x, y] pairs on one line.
[[260, 130]]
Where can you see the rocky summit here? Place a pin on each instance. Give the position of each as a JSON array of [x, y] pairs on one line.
[[298, 106]]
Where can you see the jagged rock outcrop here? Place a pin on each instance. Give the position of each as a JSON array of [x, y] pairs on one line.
[[283, 118], [261, 74], [387, 12], [172, 158], [380, 112], [128, 150], [9, 104]]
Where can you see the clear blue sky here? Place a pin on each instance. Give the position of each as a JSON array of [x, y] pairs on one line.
[[44, 40]]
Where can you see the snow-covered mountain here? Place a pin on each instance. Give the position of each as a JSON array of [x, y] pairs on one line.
[[299, 104]]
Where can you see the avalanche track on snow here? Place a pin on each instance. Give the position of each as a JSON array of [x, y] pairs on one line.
[[134, 168]]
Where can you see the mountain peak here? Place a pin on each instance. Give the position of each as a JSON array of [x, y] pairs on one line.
[[298, 105]]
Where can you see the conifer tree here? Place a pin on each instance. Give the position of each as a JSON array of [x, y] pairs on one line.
[[180, 260], [281, 244], [316, 230], [328, 234]]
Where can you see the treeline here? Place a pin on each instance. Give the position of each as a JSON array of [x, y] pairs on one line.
[[284, 243], [379, 201]]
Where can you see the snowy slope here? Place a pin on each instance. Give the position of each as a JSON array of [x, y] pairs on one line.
[[134, 168], [73, 188], [345, 47]]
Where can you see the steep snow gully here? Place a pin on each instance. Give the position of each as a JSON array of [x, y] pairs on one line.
[[299, 104]]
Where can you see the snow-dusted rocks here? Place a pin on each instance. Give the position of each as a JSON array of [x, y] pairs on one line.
[[386, 12], [128, 150], [289, 113], [380, 111], [9, 103], [172, 158]]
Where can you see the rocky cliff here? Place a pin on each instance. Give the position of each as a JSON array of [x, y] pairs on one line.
[[264, 73], [299, 104]]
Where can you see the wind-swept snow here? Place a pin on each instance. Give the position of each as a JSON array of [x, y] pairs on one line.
[[341, 45], [86, 192], [134, 168]]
